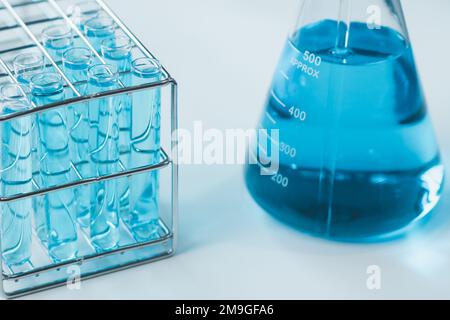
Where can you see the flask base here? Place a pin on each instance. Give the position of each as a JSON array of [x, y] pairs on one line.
[[356, 207]]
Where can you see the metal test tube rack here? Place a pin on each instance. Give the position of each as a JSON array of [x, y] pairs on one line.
[[39, 278]]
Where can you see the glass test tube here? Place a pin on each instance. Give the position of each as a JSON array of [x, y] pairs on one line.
[[59, 207], [98, 29], [57, 39], [83, 11], [26, 65], [76, 63], [146, 116], [104, 148], [16, 177], [117, 52]]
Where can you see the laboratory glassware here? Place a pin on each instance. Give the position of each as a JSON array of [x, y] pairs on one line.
[[105, 154], [143, 216], [43, 271], [82, 11], [117, 52], [57, 220], [16, 176], [346, 149], [98, 29], [76, 63], [57, 39], [26, 65]]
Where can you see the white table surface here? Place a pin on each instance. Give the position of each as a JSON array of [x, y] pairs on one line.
[[229, 248]]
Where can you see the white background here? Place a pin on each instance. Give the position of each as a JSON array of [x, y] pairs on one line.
[[223, 53]]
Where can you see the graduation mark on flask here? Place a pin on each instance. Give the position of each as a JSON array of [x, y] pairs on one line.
[[298, 114], [308, 64]]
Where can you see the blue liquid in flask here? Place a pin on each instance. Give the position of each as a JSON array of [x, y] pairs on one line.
[[58, 214], [358, 156]]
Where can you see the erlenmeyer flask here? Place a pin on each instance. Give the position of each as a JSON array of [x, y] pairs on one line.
[[358, 158]]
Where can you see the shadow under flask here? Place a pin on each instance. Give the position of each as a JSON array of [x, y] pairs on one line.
[[351, 149]]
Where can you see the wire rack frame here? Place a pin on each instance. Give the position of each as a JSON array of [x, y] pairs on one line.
[[167, 160]]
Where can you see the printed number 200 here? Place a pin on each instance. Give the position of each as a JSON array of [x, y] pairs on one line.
[[281, 180]]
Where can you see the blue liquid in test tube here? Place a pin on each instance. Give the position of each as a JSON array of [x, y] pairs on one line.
[[26, 65], [16, 177], [99, 29], [60, 206], [76, 63], [83, 11], [104, 148], [117, 52], [146, 116], [57, 39]]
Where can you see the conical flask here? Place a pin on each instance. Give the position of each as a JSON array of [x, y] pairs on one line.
[[358, 158]]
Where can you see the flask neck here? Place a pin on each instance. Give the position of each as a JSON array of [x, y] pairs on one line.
[[376, 15]]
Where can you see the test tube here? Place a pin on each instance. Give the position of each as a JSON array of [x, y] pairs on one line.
[[143, 219], [117, 51], [16, 177], [98, 29], [57, 39], [59, 215], [26, 65], [83, 11], [104, 148], [76, 63]]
